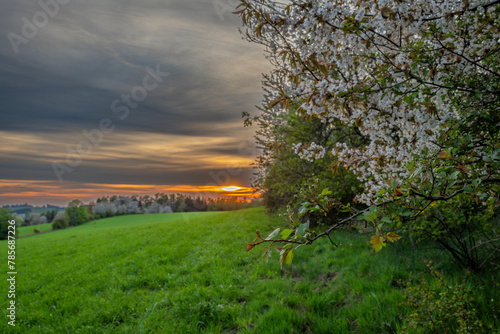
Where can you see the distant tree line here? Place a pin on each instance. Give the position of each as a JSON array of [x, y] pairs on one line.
[[35, 218], [108, 206], [77, 212]]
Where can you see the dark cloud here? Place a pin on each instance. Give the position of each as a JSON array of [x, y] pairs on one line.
[[66, 77]]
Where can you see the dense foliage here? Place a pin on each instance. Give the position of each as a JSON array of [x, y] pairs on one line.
[[420, 82], [77, 213], [282, 174], [5, 217]]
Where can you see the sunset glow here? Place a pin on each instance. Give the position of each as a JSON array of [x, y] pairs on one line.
[[51, 192]]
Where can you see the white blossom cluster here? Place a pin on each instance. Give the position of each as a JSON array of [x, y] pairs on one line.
[[390, 67], [157, 208], [309, 152], [104, 208]]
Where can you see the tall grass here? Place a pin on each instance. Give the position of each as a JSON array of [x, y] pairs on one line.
[[189, 273]]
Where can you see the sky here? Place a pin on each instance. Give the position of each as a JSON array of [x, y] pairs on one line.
[[124, 97]]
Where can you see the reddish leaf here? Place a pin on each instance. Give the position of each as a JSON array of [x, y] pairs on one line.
[[377, 242], [250, 246], [398, 193], [393, 237], [463, 169]]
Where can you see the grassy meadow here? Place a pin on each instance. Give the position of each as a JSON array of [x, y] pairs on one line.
[[189, 273], [29, 230]]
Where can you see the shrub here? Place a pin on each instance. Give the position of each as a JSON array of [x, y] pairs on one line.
[[59, 223], [442, 307]]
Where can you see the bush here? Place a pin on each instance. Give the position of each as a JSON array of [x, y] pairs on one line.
[[442, 307], [59, 223]]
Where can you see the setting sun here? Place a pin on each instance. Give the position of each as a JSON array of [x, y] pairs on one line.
[[231, 188]]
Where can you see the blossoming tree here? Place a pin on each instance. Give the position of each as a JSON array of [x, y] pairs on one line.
[[421, 81]]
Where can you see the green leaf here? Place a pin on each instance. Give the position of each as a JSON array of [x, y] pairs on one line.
[[369, 215], [346, 208], [404, 212], [386, 219], [289, 257], [379, 227], [286, 233], [266, 253], [302, 211], [273, 234], [302, 228], [411, 165], [325, 192], [286, 255], [416, 172], [444, 155]]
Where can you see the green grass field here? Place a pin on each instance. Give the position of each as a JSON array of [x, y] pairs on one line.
[[189, 273], [29, 230]]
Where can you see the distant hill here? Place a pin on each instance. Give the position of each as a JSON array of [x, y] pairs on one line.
[[25, 208], [54, 207]]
